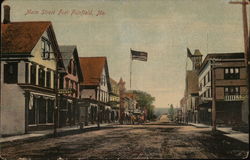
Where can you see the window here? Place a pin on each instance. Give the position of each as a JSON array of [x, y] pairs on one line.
[[32, 111], [205, 94], [33, 74], [208, 93], [61, 82], [204, 81], [200, 87], [231, 73], [67, 83], [74, 69], [26, 72], [209, 77], [55, 80], [232, 90], [69, 66], [41, 77], [10, 73], [46, 48], [50, 111], [48, 79], [72, 86], [76, 90], [41, 106]]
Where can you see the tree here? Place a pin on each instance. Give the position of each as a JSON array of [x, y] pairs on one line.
[[145, 101], [171, 111]]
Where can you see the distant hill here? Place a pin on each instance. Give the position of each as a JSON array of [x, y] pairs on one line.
[[160, 111]]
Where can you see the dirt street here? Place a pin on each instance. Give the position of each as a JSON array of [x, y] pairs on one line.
[[158, 140]]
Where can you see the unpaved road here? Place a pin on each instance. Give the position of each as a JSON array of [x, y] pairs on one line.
[[158, 140]]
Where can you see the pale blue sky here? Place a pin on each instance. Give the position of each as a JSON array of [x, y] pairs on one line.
[[163, 28]]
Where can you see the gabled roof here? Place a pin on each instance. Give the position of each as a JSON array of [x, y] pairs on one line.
[[197, 52], [21, 37], [112, 81], [69, 52], [92, 68]]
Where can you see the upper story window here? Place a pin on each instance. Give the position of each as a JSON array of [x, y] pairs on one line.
[[33, 74], [70, 66], [204, 80], [41, 77], [76, 91], [74, 69], [48, 79], [61, 83], [46, 48], [103, 81], [67, 83], [11, 72], [208, 77], [232, 90], [232, 73]]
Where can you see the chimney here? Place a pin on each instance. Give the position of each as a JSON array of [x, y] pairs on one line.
[[6, 18]]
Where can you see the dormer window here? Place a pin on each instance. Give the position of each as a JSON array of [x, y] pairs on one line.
[[46, 48]]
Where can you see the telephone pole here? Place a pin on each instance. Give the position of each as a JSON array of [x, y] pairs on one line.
[[244, 4]]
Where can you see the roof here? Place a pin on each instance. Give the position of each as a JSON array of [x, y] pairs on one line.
[[235, 55], [192, 85], [68, 52], [21, 37], [197, 53], [92, 68], [130, 95], [112, 81]]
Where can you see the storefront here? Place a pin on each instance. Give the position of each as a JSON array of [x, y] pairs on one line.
[[40, 111]]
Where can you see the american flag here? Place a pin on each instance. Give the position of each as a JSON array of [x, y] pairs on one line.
[[139, 55]]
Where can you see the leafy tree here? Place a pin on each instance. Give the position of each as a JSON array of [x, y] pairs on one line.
[[145, 101], [171, 111]]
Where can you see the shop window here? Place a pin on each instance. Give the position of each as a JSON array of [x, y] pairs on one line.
[[41, 110], [11, 73], [32, 111], [50, 111]]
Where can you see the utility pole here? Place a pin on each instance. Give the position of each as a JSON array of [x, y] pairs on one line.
[[244, 4]]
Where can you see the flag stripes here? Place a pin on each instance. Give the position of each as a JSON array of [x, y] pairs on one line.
[[139, 55]]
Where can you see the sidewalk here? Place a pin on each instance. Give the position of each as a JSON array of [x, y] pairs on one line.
[[46, 133], [243, 137]]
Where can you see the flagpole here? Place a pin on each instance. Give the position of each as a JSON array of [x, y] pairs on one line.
[[130, 67]]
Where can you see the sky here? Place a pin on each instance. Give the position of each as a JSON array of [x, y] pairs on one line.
[[162, 28]]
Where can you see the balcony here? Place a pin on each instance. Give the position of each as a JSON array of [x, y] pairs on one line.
[[235, 97]]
